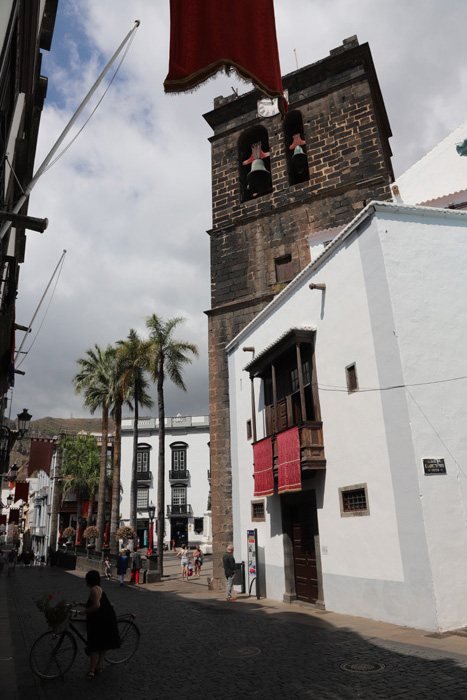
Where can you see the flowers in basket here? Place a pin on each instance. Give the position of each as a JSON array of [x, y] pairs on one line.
[[69, 532], [125, 533], [90, 532], [55, 611]]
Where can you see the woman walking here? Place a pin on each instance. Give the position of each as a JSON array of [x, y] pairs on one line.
[[184, 555], [197, 561]]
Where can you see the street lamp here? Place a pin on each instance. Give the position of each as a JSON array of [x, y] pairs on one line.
[[151, 513], [24, 418]]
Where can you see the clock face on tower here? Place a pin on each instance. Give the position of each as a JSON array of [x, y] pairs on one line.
[[269, 106]]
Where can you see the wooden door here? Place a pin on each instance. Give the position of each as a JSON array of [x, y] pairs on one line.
[[304, 529]]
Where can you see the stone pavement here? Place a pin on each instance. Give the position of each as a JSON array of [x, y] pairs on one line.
[[196, 645]]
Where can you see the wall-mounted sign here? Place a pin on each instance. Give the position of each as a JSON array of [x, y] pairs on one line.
[[434, 466], [252, 547]]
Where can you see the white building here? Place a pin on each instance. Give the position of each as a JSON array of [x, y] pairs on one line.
[[187, 485], [364, 353]]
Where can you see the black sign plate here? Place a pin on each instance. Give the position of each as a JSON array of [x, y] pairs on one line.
[[434, 466]]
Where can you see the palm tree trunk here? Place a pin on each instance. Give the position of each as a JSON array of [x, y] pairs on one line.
[[102, 474], [161, 471], [90, 508], [115, 514], [134, 483], [79, 515]]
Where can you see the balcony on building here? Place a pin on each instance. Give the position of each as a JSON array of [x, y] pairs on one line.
[[179, 475], [39, 531], [144, 477], [288, 373], [183, 509]]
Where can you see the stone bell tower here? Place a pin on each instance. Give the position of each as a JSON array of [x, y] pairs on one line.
[[273, 183]]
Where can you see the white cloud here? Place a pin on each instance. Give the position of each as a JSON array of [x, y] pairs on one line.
[[131, 201]]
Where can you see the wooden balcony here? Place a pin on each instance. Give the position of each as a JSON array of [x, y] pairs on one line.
[[311, 447]]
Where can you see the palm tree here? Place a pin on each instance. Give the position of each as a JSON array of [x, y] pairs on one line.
[[96, 379], [168, 357], [80, 466], [133, 360]]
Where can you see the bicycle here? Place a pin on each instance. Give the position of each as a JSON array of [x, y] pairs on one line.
[[53, 653]]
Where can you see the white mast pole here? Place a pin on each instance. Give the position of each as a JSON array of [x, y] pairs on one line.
[[6, 226]]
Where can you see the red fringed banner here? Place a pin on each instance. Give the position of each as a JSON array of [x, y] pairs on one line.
[[40, 456], [288, 461], [21, 491], [264, 477], [13, 514], [209, 35]]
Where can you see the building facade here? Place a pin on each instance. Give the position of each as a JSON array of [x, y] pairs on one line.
[[187, 478], [359, 361], [273, 183]]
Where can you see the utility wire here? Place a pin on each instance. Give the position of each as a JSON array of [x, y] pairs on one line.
[[62, 153], [44, 317], [331, 387]]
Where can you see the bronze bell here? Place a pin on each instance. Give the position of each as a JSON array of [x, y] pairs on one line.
[[259, 179], [299, 160]]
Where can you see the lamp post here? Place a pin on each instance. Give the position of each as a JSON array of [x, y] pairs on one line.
[[151, 513], [24, 418]]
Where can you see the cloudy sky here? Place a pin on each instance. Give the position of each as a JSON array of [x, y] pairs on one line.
[[130, 200]]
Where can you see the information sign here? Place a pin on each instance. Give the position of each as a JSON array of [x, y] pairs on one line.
[[252, 550], [434, 466]]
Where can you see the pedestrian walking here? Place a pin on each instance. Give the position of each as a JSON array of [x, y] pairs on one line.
[[230, 570], [107, 568], [101, 624], [184, 555], [53, 560], [11, 562], [122, 565], [136, 564], [197, 560]]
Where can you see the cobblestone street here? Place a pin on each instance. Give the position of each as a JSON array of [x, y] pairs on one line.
[[195, 645]]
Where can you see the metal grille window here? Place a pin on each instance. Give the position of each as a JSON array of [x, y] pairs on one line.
[[258, 513], [142, 498], [354, 500]]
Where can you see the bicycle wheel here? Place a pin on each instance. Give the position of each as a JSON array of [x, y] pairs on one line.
[[52, 655], [129, 637]]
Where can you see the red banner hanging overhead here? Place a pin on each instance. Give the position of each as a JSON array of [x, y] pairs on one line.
[[40, 456], [13, 515], [209, 35], [21, 490]]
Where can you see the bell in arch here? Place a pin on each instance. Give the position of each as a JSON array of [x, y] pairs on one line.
[[258, 179], [299, 159]]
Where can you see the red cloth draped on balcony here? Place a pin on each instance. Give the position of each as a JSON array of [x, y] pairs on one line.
[[106, 535], [13, 515], [264, 477], [208, 35], [40, 456], [21, 490], [288, 461]]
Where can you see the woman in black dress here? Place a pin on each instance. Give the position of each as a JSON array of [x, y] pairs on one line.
[[101, 624]]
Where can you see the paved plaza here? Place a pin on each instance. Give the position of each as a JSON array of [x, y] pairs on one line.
[[196, 645]]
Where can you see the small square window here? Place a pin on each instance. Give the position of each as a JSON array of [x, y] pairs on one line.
[[354, 500], [351, 376], [258, 512], [284, 271]]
